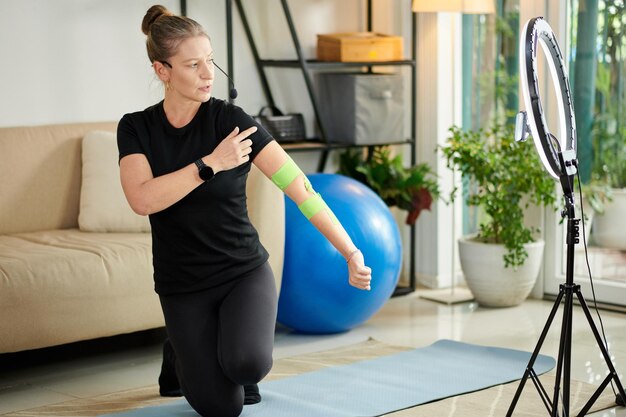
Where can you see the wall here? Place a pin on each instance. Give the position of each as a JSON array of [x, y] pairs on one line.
[[85, 60], [438, 107], [71, 61]]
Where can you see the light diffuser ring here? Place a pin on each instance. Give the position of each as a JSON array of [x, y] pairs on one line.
[[538, 31]]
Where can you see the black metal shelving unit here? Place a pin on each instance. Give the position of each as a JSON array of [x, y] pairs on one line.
[[321, 144]]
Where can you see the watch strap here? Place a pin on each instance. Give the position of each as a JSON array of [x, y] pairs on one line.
[[204, 171], [199, 163]]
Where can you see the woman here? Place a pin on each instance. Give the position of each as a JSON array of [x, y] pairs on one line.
[[184, 162]]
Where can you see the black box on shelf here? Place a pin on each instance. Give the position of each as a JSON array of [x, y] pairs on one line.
[[361, 108]]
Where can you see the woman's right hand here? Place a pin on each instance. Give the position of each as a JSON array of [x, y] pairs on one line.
[[360, 276], [233, 151]]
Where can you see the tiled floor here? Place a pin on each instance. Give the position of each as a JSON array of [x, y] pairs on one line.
[[94, 369]]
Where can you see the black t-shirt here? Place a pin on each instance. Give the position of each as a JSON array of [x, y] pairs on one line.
[[206, 238]]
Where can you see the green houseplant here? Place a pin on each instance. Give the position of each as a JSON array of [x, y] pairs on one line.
[[506, 178], [409, 188], [502, 261]]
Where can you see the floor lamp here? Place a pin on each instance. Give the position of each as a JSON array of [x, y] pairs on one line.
[[452, 296]]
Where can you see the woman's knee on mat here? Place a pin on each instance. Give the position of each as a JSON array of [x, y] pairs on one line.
[[217, 406], [247, 368]]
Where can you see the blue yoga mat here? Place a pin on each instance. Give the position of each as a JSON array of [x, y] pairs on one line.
[[379, 386]]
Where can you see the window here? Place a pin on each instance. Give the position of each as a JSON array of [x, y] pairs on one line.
[[490, 76], [597, 38]]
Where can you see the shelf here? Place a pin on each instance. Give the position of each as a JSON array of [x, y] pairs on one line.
[[309, 145], [314, 63], [321, 144], [315, 144]]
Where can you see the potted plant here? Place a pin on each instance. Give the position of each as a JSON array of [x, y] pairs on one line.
[[502, 261], [410, 188]]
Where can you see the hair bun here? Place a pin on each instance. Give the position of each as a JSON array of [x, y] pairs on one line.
[[152, 15]]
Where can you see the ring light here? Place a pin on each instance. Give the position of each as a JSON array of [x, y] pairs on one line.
[[559, 159], [538, 32]]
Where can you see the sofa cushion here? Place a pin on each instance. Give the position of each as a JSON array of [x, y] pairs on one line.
[[67, 285], [40, 171], [103, 206]]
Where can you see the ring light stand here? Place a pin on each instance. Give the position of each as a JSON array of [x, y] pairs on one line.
[[559, 159]]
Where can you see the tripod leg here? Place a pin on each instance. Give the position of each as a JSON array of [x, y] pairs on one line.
[[533, 358], [621, 396], [563, 364], [567, 354]]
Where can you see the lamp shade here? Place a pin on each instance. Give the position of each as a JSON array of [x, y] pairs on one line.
[[479, 7], [463, 6]]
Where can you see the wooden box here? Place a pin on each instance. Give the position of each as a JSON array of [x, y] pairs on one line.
[[359, 47]]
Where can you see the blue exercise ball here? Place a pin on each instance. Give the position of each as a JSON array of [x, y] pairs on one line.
[[315, 296]]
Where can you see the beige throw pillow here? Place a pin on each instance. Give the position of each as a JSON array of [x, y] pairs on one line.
[[103, 206]]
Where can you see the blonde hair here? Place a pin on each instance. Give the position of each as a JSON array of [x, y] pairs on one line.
[[165, 32]]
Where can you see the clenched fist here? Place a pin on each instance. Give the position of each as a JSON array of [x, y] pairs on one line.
[[360, 276]]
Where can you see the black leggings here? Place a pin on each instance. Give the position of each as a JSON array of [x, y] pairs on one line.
[[223, 338]]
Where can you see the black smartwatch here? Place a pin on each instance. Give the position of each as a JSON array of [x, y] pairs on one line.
[[205, 171]]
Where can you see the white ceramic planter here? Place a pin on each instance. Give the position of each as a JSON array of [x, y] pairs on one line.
[[492, 284], [609, 228]]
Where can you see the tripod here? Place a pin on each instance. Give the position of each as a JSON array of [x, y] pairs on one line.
[[567, 291]]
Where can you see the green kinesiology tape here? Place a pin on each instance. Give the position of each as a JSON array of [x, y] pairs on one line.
[[285, 175], [313, 205]]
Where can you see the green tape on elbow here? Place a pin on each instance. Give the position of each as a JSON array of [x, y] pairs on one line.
[[286, 174], [307, 185]]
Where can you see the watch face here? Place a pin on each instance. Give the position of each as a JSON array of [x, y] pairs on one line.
[[206, 173]]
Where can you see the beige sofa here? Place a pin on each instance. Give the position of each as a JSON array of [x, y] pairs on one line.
[[75, 261]]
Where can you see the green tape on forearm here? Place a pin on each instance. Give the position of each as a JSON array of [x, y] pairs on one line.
[[312, 205], [285, 175]]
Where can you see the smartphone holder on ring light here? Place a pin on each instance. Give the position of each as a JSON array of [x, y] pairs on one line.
[[559, 159]]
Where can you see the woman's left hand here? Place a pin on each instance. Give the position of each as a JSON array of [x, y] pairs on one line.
[[360, 275]]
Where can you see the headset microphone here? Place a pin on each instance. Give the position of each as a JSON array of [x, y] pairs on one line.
[[233, 91]]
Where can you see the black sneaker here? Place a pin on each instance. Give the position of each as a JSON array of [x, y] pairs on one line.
[[251, 394], [168, 381]]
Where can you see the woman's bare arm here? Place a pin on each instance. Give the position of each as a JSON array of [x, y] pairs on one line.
[[147, 194], [269, 161]]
